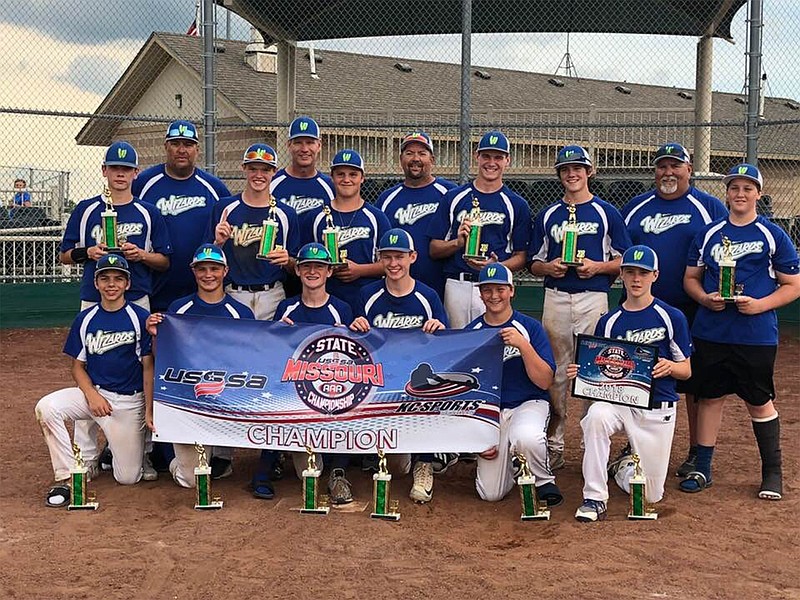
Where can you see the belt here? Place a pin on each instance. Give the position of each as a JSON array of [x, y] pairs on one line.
[[258, 287], [464, 277], [663, 405], [570, 292]]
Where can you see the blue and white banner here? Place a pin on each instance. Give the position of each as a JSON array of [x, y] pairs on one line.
[[259, 384]]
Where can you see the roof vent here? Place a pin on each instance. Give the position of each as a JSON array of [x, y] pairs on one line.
[[556, 82], [739, 100], [623, 90], [685, 95], [792, 105], [483, 74], [403, 67]]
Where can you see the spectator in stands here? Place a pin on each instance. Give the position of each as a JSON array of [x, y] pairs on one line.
[[22, 197]]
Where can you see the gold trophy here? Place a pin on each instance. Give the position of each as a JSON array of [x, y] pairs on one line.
[[383, 506], [728, 288], [330, 238], [532, 509], [473, 249], [108, 220], [570, 255], [313, 504], [202, 480], [639, 508], [269, 233], [78, 476]]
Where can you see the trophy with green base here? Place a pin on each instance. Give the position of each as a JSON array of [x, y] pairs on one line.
[[570, 255], [728, 288], [382, 505], [202, 481], [108, 220], [330, 239], [532, 509], [78, 478], [639, 508], [313, 504], [269, 233], [473, 249]]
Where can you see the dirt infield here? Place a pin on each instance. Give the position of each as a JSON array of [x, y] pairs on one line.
[[146, 541]]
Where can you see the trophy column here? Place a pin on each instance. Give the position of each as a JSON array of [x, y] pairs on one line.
[[80, 499], [330, 239], [473, 248], [532, 509], [570, 255], [108, 220], [312, 503], [269, 233], [728, 288], [382, 505], [639, 508], [202, 480]]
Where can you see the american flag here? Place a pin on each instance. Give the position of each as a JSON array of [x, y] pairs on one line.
[[194, 28], [208, 388]]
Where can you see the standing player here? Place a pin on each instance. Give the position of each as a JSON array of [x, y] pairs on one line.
[[736, 342], [113, 371], [506, 231], [666, 219], [184, 195], [410, 205], [237, 225], [401, 302], [528, 367], [574, 298], [641, 318]]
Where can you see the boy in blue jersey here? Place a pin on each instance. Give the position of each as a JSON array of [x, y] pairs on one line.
[[411, 205], [643, 319], [360, 224], [666, 219], [574, 297], [184, 195], [505, 217], [113, 371], [237, 224], [528, 367], [736, 342]]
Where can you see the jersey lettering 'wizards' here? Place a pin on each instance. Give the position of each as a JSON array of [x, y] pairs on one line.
[[386, 311], [601, 235], [242, 247], [227, 308], [505, 217], [760, 249], [517, 386], [304, 194], [139, 223], [660, 325], [412, 209], [361, 230], [186, 206], [333, 312], [668, 227], [112, 344]]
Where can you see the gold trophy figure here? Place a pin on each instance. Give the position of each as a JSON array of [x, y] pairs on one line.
[[313, 504], [570, 255], [202, 480], [330, 238], [383, 506], [473, 249], [639, 508], [78, 478], [108, 219], [532, 509], [728, 288], [269, 232]]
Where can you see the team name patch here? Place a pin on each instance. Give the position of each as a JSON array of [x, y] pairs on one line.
[[103, 341], [414, 212], [487, 217], [396, 321], [584, 227], [659, 223], [246, 234], [175, 205], [351, 234], [738, 250], [510, 352], [302, 204], [646, 336], [123, 230]]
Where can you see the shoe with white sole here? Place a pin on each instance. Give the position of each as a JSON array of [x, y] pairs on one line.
[[422, 490]]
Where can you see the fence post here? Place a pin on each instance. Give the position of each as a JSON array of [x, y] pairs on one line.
[[702, 104], [755, 24], [466, 63], [209, 87]]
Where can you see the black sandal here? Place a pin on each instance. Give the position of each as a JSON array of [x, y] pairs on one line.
[[58, 496], [695, 482]]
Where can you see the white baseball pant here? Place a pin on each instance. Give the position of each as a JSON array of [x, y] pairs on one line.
[[522, 430], [124, 429], [462, 303], [264, 303], [650, 434]]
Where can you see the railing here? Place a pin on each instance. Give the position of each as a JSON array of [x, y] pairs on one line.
[[31, 255]]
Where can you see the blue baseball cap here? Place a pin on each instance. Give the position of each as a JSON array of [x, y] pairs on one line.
[[260, 153], [209, 253], [495, 273], [672, 150], [304, 127], [348, 158], [121, 154], [417, 137], [396, 239], [112, 262], [573, 155], [744, 171], [181, 130], [640, 256], [314, 252], [494, 140]]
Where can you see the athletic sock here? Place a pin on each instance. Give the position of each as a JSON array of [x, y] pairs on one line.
[[768, 437], [703, 463]]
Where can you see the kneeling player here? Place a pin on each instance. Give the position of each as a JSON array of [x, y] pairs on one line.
[[528, 367]]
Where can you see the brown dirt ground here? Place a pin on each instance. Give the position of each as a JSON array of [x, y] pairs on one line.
[[148, 542]]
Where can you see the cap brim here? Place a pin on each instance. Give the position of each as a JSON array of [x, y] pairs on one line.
[[392, 249], [104, 269], [678, 158], [181, 137], [308, 135], [639, 265], [303, 261], [260, 162], [347, 165], [728, 178], [485, 148], [421, 143], [582, 163], [488, 281], [207, 260], [119, 163]]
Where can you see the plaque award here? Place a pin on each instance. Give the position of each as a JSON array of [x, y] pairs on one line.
[[728, 288], [532, 509], [269, 233], [202, 481], [312, 503], [330, 239], [108, 220], [474, 250], [570, 255], [80, 499], [639, 508], [383, 507]]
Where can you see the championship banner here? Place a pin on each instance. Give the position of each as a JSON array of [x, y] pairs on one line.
[[261, 384]]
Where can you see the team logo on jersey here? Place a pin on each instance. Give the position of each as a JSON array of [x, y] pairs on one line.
[[302, 204], [487, 217], [124, 230], [414, 212], [646, 336], [659, 223], [351, 234], [614, 362], [738, 250], [246, 234], [510, 352], [584, 227], [175, 205], [333, 374], [396, 321], [424, 383], [213, 382], [101, 341]]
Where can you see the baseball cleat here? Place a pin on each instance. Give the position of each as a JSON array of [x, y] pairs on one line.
[[591, 511], [106, 459], [58, 496], [443, 461], [220, 467], [422, 490], [622, 459], [556, 460], [148, 472], [339, 489]]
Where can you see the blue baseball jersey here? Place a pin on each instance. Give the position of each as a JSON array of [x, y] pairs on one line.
[[412, 209], [660, 325], [601, 235], [186, 206], [140, 223], [333, 312], [760, 249], [227, 308], [517, 387], [506, 223], [668, 227], [412, 311], [21, 198], [361, 230], [305, 195], [242, 247], [112, 344]]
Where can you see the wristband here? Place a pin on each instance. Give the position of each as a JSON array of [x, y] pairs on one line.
[[79, 255]]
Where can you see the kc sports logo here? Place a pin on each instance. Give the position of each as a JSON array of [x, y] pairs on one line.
[[659, 223], [414, 212]]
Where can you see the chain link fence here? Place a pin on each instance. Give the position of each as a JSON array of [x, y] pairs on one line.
[[79, 76]]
